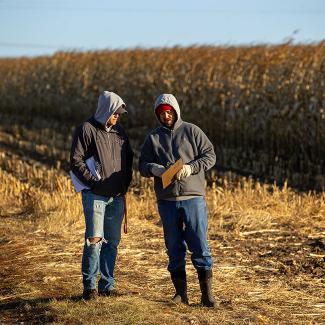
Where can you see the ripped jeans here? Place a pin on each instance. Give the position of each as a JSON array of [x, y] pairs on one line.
[[103, 216]]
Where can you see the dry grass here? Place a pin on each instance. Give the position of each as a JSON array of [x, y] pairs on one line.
[[268, 246], [263, 108]]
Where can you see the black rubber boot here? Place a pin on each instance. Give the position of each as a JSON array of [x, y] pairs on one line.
[[179, 281], [205, 278]]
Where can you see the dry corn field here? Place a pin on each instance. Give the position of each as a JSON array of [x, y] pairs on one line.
[[263, 108], [268, 246]]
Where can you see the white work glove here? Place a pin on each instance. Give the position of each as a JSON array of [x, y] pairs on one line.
[[186, 171], [157, 170]]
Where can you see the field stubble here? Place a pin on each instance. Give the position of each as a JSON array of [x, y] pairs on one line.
[[268, 245]]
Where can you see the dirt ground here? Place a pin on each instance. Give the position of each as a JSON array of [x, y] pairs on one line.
[[271, 273], [274, 267]]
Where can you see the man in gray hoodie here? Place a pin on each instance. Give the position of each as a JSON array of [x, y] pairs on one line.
[[103, 140], [181, 205]]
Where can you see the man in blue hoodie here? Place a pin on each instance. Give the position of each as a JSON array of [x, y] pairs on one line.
[[181, 205], [102, 139]]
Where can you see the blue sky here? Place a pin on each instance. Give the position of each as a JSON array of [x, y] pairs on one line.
[[42, 27]]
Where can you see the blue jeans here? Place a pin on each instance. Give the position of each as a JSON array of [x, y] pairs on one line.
[[185, 225], [103, 216]]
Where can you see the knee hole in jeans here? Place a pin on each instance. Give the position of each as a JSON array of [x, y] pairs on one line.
[[94, 240]]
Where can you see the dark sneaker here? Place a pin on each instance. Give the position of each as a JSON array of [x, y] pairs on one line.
[[108, 293], [89, 294]]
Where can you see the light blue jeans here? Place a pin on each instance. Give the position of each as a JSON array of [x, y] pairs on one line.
[[185, 225], [103, 216]]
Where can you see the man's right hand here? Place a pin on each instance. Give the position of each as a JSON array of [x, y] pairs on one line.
[[108, 187], [157, 170], [98, 186]]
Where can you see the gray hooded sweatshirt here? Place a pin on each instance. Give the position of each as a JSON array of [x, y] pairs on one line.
[[109, 146], [108, 103], [164, 146]]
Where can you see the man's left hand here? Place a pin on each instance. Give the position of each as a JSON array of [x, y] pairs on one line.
[[186, 171]]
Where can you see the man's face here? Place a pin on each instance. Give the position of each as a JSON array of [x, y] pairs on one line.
[[167, 117], [113, 119]]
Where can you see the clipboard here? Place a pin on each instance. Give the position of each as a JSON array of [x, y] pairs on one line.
[[77, 183], [168, 175]]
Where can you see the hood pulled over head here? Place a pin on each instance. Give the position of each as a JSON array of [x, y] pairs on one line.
[[168, 99], [108, 104]]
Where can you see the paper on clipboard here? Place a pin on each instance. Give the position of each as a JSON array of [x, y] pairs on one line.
[[168, 175], [77, 183]]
